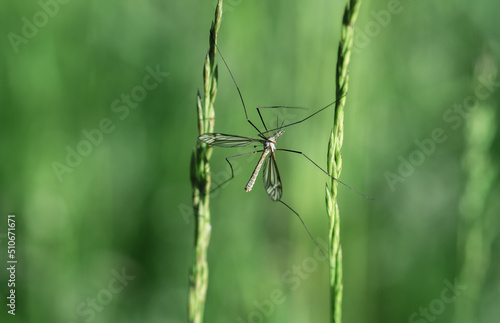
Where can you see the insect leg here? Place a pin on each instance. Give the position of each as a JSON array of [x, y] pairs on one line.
[[277, 124], [239, 92], [302, 120], [324, 171], [309, 232], [232, 170]]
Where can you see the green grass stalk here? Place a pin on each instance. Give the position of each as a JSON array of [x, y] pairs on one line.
[[334, 158], [200, 179], [478, 215]]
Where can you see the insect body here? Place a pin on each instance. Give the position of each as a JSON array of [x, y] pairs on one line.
[[273, 186], [271, 176]]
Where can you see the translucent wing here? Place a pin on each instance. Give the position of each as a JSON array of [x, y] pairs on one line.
[[226, 141], [271, 176]]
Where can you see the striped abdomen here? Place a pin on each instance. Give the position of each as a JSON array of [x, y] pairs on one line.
[[252, 179]]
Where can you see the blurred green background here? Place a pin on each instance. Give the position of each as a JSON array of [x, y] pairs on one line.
[[123, 207]]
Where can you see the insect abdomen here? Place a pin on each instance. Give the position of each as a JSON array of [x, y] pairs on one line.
[[252, 179]]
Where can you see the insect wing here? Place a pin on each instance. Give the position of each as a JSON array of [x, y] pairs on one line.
[[226, 141], [271, 176]]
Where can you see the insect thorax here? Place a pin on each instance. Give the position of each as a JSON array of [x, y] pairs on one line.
[[271, 141]]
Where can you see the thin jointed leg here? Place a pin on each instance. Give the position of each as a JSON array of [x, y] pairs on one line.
[[324, 171], [231, 167]]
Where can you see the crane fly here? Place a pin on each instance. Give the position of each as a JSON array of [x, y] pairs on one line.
[[267, 161], [271, 175]]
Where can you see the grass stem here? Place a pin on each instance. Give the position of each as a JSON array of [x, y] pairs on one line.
[[334, 158], [478, 220], [200, 179]]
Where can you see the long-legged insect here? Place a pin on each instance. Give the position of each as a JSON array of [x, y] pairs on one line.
[[271, 176]]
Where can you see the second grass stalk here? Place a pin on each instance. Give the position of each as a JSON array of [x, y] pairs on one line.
[[334, 158]]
